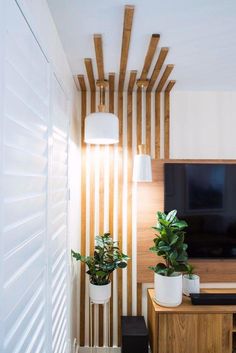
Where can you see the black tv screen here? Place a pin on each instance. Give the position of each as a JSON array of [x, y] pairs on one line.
[[205, 196]]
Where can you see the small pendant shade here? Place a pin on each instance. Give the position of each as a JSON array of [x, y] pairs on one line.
[[101, 128], [142, 169]]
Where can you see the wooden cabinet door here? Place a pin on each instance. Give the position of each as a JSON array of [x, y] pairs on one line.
[[194, 333]]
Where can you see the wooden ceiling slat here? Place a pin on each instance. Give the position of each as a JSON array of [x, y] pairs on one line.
[[82, 82], [99, 55], [111, 81], [164, 77], [132, 80], [170, 85], [157, 68], [127, 27], [90, 73], [149, 56]]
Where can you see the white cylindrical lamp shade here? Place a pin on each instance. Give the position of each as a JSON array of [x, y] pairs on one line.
[[142, 170], [101, 128]]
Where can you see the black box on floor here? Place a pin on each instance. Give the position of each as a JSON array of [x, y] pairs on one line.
[[134, 335]]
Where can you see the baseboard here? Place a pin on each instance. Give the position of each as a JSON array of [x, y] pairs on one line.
[[99, 350]]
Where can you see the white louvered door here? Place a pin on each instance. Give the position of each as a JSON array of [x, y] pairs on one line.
[[33, 223]]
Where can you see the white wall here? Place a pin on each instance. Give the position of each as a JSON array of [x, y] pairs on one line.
[[38, 16], [202, 125]]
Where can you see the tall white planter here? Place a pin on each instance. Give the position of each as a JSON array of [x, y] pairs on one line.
[[100, 294], [191, 285], [168, 290]]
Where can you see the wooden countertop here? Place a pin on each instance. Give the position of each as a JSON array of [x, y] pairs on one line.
[[187, 307]]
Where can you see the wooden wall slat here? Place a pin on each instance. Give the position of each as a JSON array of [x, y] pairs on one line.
[[101, 228], [132, 80], [170, 85], [157, 124], [139, 299], [148, 122], [89, 69], [157, 68], [111, 192], [129, 199], [120, 208], [99, 55], [139, 116], [149, 56], [82, 83], [167, 125], [83, 214], [164, 77], [127, 27]]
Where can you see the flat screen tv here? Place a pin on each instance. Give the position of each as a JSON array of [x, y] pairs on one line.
[[205, 196]]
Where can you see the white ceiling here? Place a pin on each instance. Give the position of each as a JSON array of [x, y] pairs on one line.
[[201, 35]]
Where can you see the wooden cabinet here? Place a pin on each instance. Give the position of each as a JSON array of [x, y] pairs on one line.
[[191, 329]]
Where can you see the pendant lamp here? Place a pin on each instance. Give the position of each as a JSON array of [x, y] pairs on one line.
[[101, 128], [142, 168]]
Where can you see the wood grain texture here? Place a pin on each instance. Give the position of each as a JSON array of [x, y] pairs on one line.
[[132, 80], [196, 333], [157, 124], [152, 195], [83, 218], [82, 83], [139, 298], [127, 27], [101, 229], [99, 55], [169, 68], [139, 117], [111, 192], [89, 69], [148, 122], [167, 125], [191, 328], [170, 85], [120, 209], [129, 199], [149, 55], [157, 68]]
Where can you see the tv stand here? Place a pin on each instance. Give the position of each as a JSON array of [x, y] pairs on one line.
[[189, 328]]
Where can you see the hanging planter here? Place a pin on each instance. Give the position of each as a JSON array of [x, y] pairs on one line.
[[107, 258]]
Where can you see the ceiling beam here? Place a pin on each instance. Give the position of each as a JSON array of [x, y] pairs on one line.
[[164, 77], [97, 38], [90, 73], [127, 27], [132, 80], [82, 82], [156, 71], [170, 85], [149, 55], [111, 81]]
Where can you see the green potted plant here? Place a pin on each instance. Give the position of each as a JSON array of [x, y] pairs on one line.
[[107, 258], [191, 281], [169, 244]]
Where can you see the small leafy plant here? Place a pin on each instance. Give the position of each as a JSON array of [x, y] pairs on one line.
[[190, 271], [169, 244], [107, 258]]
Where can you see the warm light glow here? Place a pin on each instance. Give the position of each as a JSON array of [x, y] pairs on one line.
[[101, 129]]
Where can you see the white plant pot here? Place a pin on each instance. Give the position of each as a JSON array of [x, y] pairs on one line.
[[168, 290], [191, 285], [100, 294]]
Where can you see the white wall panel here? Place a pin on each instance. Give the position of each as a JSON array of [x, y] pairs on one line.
[[33, 199]]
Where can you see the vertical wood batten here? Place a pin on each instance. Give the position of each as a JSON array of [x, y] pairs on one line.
[[83, 213], [157, 124], [167, 119], [120, 207], [111, 194], [129, 200], [148, 122], [139, 116]]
